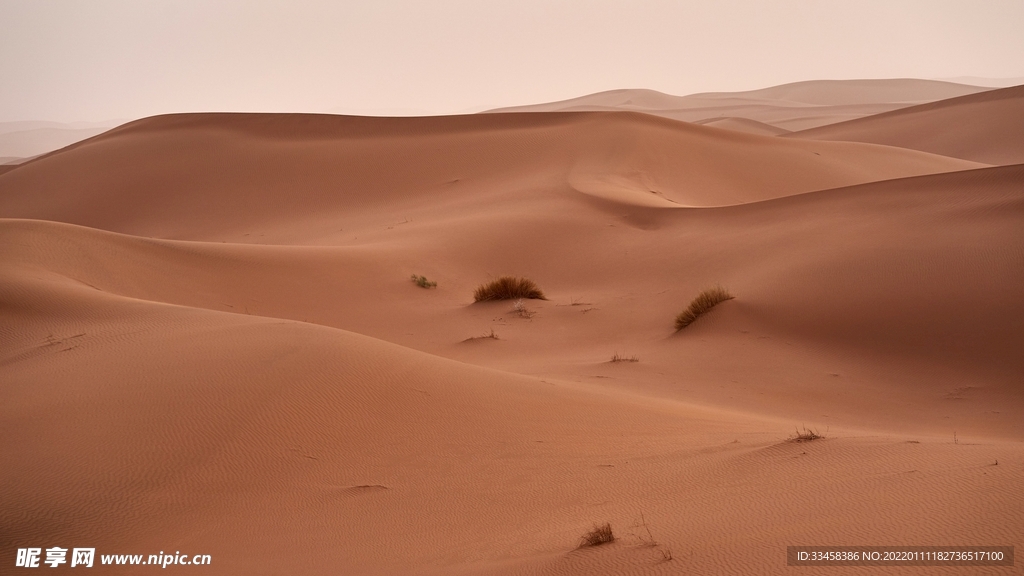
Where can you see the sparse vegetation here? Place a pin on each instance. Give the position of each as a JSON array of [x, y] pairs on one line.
[[600, 534], [806, 435], [618, 358], [508, 288], [490, 335], [520, 309], [642, 532], [705, 301], [422, 282]]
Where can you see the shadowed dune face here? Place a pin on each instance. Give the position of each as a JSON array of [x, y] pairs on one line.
[[986, 127], [211, 334]]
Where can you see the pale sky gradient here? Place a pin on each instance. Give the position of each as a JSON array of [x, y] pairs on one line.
[[94, 60]]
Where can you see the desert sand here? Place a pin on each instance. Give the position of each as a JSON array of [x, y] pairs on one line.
[[983, 127], [211, 342]]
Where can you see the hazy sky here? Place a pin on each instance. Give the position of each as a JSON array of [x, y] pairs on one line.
[[69, 60]]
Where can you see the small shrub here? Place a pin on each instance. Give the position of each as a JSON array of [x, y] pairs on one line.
[[706, 300], [617, 358], [806, 435], [520, 309], [508, 288], [599, 535], [492, 336], [422, 282]]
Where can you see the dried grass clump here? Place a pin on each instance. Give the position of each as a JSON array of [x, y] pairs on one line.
[[422, 282], [619, 358], [508, 288], [520, 309], [492, 336], [705, 301], [599, 535], [806, 435]]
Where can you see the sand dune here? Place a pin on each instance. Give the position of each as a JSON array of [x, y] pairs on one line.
[[211, 344], [986, 127], [20, 140], [218, 176], [796, 106], [319, 443], [34, 142], [849, 92], [660, 257], [743, 125]]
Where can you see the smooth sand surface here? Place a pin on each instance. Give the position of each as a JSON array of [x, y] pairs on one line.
[[986, 127], [796, 106], [211, 344], [299, 178], [743, 125]]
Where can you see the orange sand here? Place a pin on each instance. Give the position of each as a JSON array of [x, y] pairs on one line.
[[986, 127], [211, 343]]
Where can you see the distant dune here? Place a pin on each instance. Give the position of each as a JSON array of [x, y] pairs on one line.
[[986, 127], [21, 140], [211, 343], [743, 125], [853, 92], [796, 106]]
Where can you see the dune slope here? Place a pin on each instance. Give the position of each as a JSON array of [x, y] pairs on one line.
[[743, 125], [282, 446], [820, 281], [206, 175], [986, 127]]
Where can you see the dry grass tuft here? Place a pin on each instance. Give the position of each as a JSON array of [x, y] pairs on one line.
[[422, 282], [642, 532], [508, 288], [520, 309], [706, 300], [492, 336], [599, 535], [617, 358], [806, 435]]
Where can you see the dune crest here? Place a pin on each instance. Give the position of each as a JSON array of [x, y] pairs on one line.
[[796, 106]]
